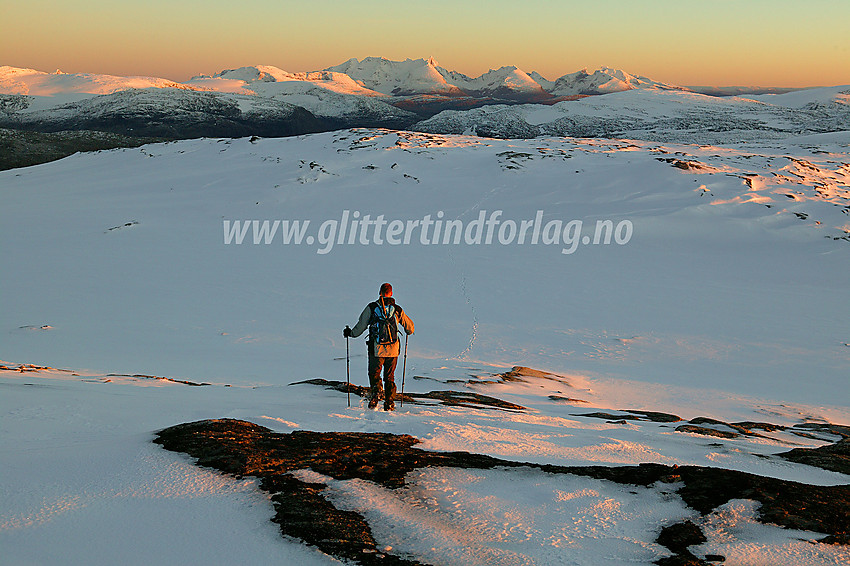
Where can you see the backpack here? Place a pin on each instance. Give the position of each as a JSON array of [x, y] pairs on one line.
[[383, 326]]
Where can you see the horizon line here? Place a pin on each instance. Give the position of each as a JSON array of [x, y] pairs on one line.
[[585, 68]]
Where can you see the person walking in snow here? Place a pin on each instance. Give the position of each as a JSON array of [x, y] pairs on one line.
[[382, 318]]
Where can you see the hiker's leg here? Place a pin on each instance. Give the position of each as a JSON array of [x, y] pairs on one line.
[[389, 382], [375, 390]]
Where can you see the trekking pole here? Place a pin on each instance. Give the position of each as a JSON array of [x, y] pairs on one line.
[[347, 372], [403, 368]]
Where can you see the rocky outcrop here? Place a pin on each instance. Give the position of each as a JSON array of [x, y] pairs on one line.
[[455, 398], [241, 449], [834, 457]]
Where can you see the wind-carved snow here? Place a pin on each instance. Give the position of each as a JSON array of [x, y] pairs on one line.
[[733, 531], [511, 517], [528, 517]]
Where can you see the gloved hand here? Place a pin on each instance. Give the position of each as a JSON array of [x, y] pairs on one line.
[[346, 332]]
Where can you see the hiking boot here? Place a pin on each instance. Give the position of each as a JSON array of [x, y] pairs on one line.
[[389, 406], [373, 402]]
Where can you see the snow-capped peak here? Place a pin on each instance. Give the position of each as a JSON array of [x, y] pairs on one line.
[[408, 77], [265, 73], [602, 81], [508, 76], [267, 80]]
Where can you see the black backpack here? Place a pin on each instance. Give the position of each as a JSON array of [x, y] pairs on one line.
[[383, 326]]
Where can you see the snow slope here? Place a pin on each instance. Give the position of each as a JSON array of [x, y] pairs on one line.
[[834, 96], [41, 100], [728, 300], [663, 115], [599, 308], [15, 80], [323, 93], [267, 81]]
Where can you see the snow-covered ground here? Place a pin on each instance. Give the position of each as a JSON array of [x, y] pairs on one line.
[[663, 115], [726, 297]]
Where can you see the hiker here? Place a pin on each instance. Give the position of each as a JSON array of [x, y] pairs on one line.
[[381, 317]]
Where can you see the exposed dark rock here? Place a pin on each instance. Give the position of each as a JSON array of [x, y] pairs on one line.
[[464, 399], [566, 399], [834, 457], [686, 165], [686, 559], [610, 416], [680, 536], [744, 428], [454, 398], [522, 373], [706, 420], [767, 427], [707, 431], [240, 448], [824, 509], [723, 429], [805, 429], [300, 508], [657, 417], [635, 415]]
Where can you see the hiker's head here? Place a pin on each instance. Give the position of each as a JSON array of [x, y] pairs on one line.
[[386, 290]]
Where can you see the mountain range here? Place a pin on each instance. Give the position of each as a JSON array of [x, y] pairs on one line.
[[411, 94]]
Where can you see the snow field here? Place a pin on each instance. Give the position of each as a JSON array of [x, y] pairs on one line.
[[719, 306]]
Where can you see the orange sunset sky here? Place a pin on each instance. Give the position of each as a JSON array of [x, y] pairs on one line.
[[711, 42]]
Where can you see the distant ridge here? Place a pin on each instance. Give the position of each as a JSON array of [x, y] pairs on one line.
[[371, 76], [414, 94]]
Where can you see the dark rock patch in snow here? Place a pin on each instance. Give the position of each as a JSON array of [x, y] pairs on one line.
[[707, 431], [561, 399], [634, 415], [678, 538], [453, 398], [522, 373], [819, 431], [834, 457], [242, 449]]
